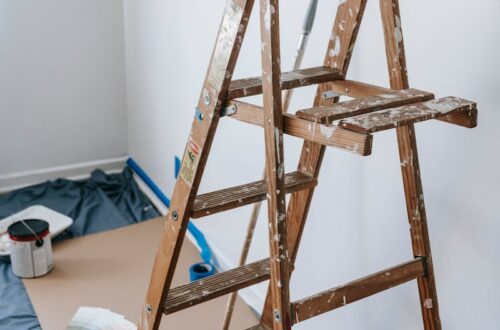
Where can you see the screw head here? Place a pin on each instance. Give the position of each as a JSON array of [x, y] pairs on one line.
[[277, 315], [207, 99], [149, 308], [175, 215]]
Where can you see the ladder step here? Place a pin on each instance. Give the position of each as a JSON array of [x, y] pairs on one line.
[[409, 114], [358, 89], [357, 107], [289, 80], [217, 285], [253, 192], [340, 296]]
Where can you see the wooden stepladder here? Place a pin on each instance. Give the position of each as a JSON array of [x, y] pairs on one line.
[[346, 125]]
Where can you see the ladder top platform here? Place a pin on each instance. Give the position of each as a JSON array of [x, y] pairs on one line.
[[364, 105], [409, 114], [393, 109]]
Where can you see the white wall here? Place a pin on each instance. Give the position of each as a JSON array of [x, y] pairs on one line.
[[62, 84], [357, 219]]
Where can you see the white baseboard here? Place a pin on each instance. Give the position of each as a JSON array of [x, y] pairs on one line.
[[74, 171], [162, 208], [250, 295]]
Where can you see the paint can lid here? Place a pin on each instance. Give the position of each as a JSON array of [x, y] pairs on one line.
[[28, 230]]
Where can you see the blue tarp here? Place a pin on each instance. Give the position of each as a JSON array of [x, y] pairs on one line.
[[100, 203]]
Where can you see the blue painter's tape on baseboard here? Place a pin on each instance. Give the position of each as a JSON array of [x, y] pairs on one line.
[[148, 181]]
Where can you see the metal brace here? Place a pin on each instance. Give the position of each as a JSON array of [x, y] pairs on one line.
[[229, 110], [329, 95]]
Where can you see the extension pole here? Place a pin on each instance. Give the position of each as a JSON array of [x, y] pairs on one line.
[[287, 96]]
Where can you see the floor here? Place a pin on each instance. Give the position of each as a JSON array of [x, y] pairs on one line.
[[111, 270]]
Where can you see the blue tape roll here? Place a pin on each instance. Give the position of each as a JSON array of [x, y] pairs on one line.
[[201, 270]]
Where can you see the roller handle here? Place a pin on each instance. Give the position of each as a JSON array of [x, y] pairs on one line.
[[309, 19]]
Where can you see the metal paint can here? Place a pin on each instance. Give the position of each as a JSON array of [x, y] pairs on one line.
[[30, 248]]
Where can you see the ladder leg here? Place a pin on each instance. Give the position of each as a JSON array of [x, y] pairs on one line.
[[275, 164], [410, 166], [231, 34], [418, 225], [344, 34]]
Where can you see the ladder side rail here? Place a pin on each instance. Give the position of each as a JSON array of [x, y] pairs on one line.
[[230, 37], [275, 163], [410, 167]]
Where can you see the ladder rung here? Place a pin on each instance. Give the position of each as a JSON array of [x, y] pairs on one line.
[[217, 285], [409, 114], [357, 107], [253, 192], [340, 296], [289, 80], [328, 135]]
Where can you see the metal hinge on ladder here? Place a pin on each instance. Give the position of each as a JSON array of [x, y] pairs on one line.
[[229, 110]]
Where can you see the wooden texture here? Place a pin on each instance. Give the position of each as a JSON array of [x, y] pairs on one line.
[[467, 119], [242, 195], [293, 79], [394, 44], [329, 300], [410, 167], [357, 89], [216, 285], [212, 96], [339, 52], [409, 114], [357, 107], [275, 163], [418, 224], [328, 135]]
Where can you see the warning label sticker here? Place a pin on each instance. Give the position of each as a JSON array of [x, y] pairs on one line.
[[190, 162]]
